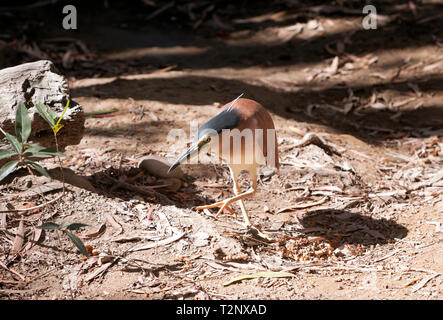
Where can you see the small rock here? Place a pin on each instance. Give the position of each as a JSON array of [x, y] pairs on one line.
[[158, 167], [266, 172]]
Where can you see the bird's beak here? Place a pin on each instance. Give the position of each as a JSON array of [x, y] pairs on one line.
[[193, 149]]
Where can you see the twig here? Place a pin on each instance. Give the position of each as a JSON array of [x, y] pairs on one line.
[[423, 282], [32, 208], [160, 10], [143, 190], [160, 243], [102, 269], [12, 271], [303, 206], [312, 138], [388, 255]]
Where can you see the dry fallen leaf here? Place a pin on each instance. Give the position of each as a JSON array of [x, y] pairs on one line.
[[266, 274], [19, 239], [94, 234]]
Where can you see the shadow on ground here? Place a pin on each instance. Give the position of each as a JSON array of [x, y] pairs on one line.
[[344, 227], [289, 105]]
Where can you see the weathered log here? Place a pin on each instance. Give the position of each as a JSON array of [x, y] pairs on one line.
[[39, 82]]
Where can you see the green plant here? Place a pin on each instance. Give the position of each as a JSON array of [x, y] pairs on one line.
[[64, 227], [51, 118], [23, 152]]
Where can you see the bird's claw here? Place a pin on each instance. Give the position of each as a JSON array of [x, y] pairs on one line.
[[222, 205]]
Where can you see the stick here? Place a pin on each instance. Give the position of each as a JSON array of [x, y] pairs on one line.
[[304, 206], [12, 271], [388, 255], [422, 283], [142, 190], [32, 208], [312, 138], [160, 243]]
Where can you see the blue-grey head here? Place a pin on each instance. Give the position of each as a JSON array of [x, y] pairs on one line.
[[208, 133]]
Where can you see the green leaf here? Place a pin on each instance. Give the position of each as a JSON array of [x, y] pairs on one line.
[[6, 153], [7, 169], [38, 168], [73, 226], [90, 114], [49, 226], [78, 243], [52, 153], [14, 142], [46, 113], [36, 155], [33, 148], [42, 152], [58, 126], [22, 123]]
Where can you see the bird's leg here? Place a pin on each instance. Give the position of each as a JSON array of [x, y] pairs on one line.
[[237, 192], [252, 229], [223, 204], [239, 198]]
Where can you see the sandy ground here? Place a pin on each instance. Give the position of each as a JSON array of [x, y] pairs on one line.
[[361, 223]]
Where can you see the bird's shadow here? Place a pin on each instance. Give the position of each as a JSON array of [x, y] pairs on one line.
[[340, 227]]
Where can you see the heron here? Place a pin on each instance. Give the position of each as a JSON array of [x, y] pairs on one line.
[[243, 136]]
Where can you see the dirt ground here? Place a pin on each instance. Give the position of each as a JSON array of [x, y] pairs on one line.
[[362, 222]]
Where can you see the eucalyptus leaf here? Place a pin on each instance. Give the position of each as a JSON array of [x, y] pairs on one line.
[[38, 168], [36, 155], [51, 152], [73, 226], [33, 148], [14, 142], [78, 243], [49, 226], [7, 153], [22, 123], [46, 113], [7, 169], [42, 152]]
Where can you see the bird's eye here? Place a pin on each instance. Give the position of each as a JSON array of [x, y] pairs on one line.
[[208, 139]]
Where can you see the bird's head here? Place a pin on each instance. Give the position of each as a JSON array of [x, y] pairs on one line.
[[206, 135], [201, 142]]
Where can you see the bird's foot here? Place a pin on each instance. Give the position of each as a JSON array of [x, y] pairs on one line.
[[223, 205]]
